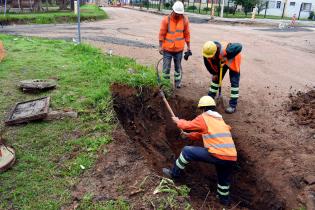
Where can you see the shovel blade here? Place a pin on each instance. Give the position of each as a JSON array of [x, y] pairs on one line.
[[220, 102]]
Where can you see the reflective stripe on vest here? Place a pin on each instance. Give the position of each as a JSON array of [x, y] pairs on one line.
[[218, 140], [175, 36]]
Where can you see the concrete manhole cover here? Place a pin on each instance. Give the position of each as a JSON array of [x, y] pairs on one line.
[[37, 85], [29, 110], [7, 157]]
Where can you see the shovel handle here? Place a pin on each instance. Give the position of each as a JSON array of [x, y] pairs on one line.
[[168, 107], [221, 72], [166, 103]]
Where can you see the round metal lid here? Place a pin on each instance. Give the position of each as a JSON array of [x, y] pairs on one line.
[[7, 157]]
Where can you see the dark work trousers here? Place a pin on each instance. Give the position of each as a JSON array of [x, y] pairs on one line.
[[167, 61], [224, 168], [234, 79]]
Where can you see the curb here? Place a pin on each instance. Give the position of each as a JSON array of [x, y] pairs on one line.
[[218, 20]]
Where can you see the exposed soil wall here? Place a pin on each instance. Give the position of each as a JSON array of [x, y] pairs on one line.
[[148, 140], [146, 121]]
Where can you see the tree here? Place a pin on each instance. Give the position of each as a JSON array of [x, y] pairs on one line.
[[63, 4], [247, 5], [261, 5]]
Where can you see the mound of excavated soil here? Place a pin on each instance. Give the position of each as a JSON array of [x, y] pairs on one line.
[[130, 167], [303, 104]]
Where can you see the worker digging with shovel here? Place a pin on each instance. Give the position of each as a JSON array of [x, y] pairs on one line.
[[218, 149], [218, 58]]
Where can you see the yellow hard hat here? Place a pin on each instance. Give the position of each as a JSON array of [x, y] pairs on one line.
[[209, 49], [206, 101]]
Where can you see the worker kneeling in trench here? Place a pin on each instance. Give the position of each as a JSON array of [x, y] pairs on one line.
[[219, 148]]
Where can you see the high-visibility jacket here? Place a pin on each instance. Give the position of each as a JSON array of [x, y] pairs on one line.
[[227, 56], [2, 51], [219, 140], [174, 33], [210, 128]]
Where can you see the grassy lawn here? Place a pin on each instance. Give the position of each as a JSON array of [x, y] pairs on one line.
[[88, 13], [50, 155]]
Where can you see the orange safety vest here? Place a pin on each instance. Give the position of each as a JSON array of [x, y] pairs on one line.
[[175, 35], [219, 140], [234, 64], [2, 51]]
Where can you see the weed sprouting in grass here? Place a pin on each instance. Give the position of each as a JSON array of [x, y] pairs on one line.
[[173, 192]]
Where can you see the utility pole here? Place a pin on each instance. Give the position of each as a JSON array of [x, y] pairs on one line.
[[79, 29], [284, 14], [5, 7], [266, 7], [222, 9], [300, 10]]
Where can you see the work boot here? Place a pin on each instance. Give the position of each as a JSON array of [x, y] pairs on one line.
[[224, 201], [177, 84], [167, 172], [230, 110]]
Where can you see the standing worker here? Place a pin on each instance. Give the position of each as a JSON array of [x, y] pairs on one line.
[[224, 56], [219, 148], [174, 32]]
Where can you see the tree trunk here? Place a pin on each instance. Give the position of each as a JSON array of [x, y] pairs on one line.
[[62, 4], [19, 3], [37, 5], [72, 5]]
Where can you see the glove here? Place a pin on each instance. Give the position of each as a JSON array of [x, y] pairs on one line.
[[183, 135], [187, 54], [161, 51]]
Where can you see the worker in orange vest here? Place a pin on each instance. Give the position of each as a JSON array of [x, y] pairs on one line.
[[227, 55], [219, 148], [174, 32], [2, 51]]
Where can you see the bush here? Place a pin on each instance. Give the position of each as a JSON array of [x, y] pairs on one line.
[[217, 9], [192, 7], [206, 9], [146, 3], [312, 16], [167, 5], [230, 10]]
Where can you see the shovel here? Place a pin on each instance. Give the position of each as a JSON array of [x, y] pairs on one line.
[[219, 100], [161, 93]]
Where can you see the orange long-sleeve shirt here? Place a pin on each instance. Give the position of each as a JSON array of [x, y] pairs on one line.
[[196, 127], [164, 28]]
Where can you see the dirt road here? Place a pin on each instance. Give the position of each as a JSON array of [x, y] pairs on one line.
[[277, 151]]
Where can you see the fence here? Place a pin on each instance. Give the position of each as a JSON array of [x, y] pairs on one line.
[[205, 7], [19, 6]]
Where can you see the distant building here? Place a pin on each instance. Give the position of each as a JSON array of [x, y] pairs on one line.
[[290, 7]]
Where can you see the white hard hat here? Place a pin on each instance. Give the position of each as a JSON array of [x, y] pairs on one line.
[[178, 7]]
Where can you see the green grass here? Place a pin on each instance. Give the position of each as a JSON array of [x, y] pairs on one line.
[[50, 154], [88, 13], [249, 15], [88, 204]]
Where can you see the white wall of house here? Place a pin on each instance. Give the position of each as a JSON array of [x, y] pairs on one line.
[[276, 7]]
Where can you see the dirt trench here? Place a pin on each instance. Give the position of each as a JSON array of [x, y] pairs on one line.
[[148, 125]]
